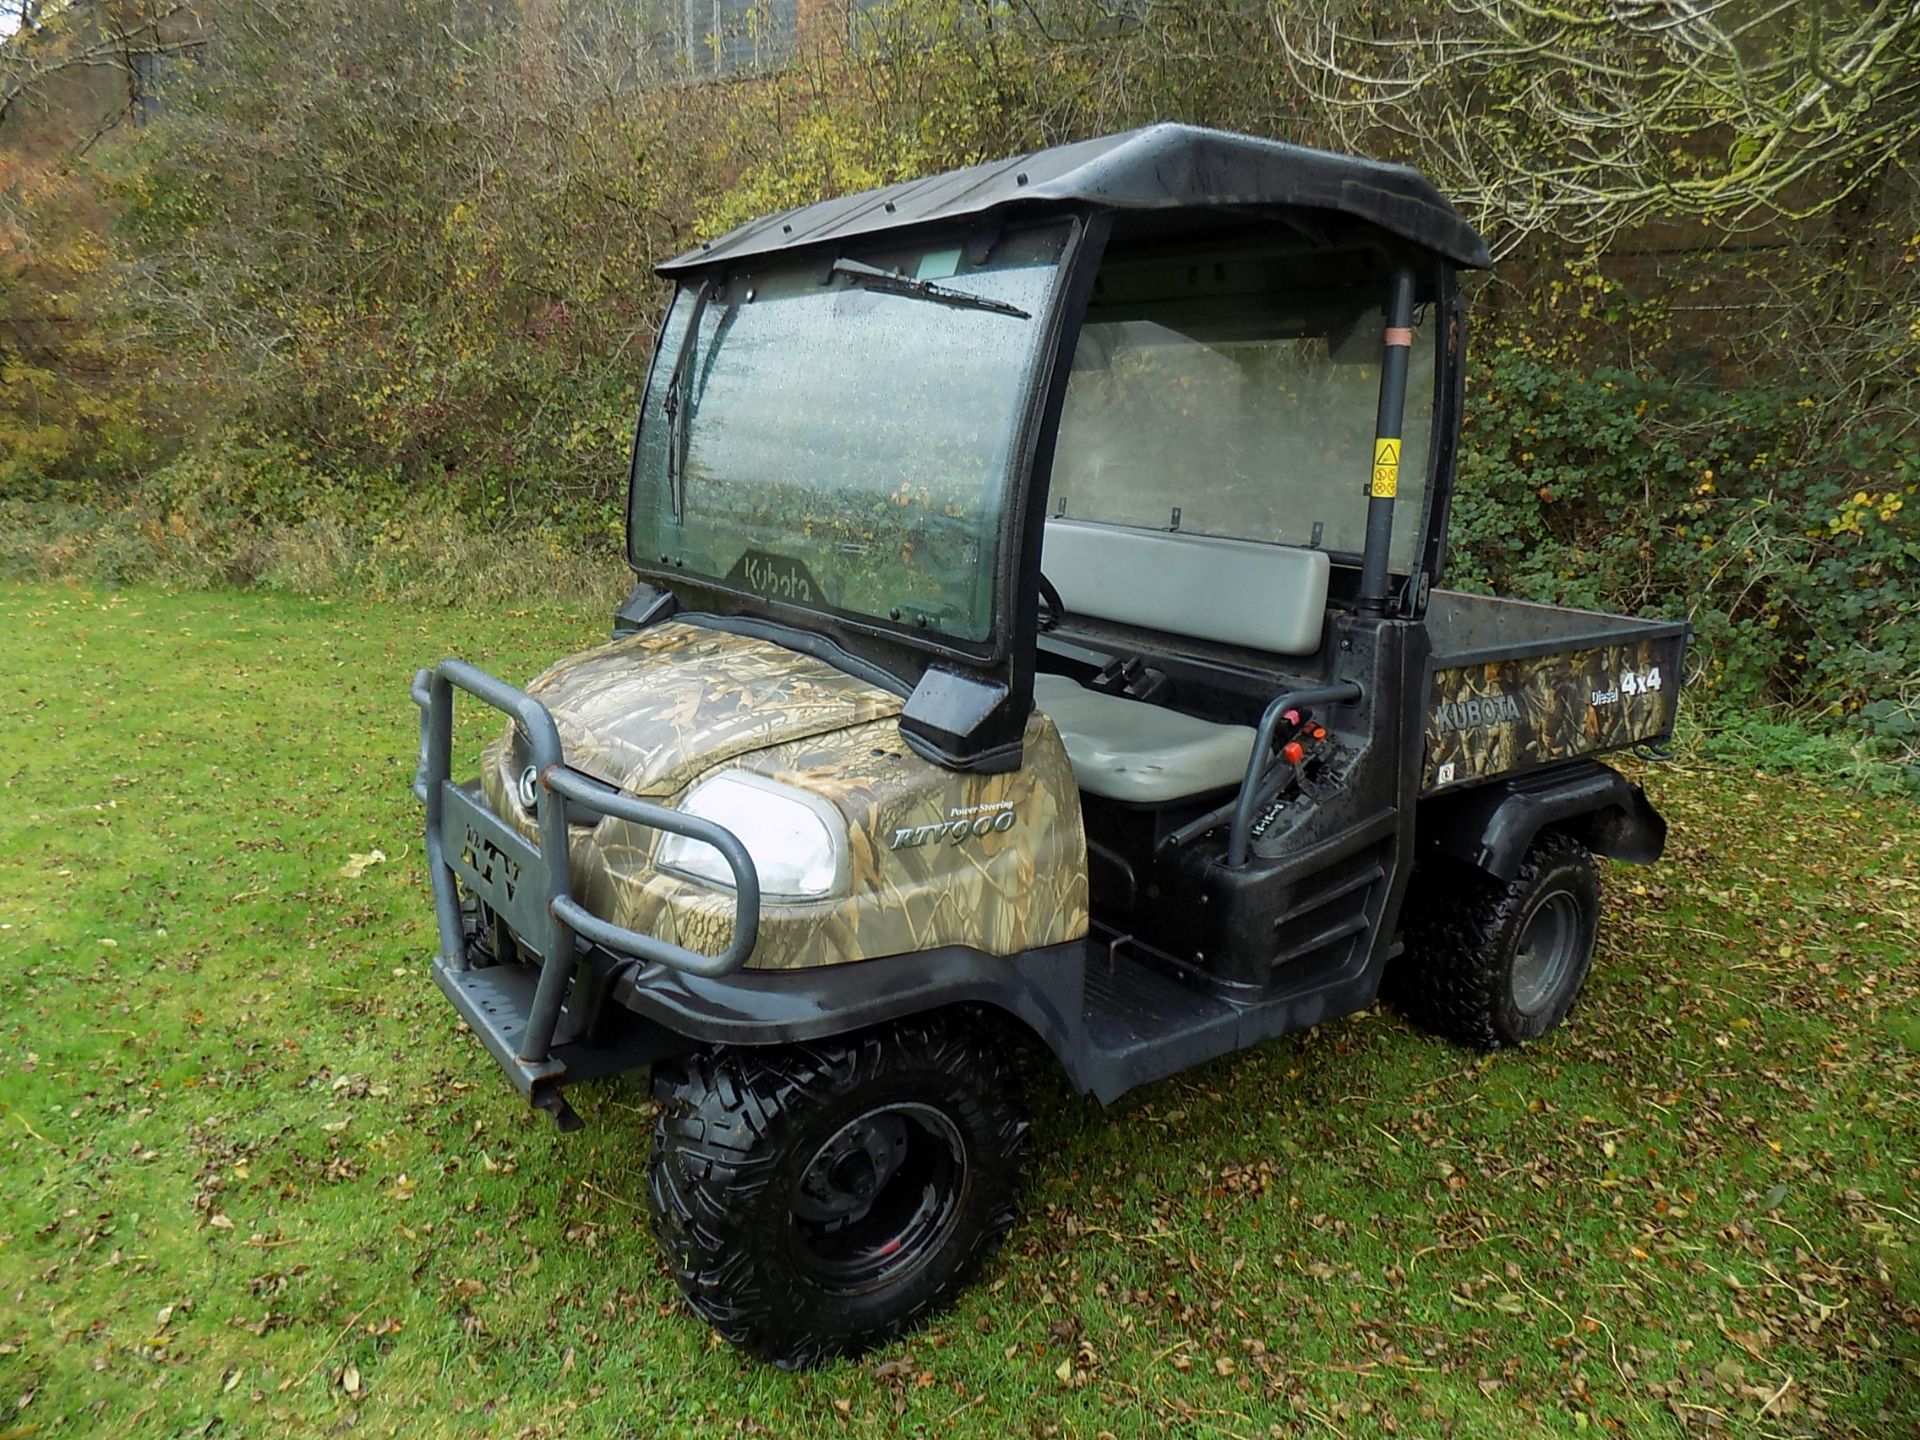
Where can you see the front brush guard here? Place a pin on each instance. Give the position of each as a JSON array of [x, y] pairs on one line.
[[514, 1011]]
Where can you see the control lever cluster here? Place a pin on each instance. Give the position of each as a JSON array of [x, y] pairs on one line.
[[1305, 752]]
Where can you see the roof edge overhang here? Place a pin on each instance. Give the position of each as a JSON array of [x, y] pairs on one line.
[[1160, 167]]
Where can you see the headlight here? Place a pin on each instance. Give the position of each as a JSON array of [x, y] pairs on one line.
[[798, 841]]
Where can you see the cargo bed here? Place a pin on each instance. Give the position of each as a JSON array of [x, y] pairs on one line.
[[1513, 685]]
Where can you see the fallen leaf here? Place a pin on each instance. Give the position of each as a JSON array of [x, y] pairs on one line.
[[358, 864]]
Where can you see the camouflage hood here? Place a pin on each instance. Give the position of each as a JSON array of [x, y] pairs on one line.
[[935, 857], [651, 711]]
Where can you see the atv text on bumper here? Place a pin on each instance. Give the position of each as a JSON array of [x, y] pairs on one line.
[[531, 888]]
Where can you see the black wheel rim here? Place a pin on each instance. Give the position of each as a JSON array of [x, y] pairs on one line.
[[1548, 952], [880, 1197]]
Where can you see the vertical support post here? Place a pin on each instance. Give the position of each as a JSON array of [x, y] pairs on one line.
[[556, 966], [1396, 348], [436, 748]]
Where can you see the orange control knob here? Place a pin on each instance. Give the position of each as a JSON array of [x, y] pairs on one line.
[[1294, 752], [1319, 732]]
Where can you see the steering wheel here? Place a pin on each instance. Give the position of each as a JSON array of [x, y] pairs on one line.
[[1056, 609]]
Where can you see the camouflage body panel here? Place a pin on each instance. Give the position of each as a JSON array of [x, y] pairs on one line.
[[649, 710], [995, 862], [1501, 715]]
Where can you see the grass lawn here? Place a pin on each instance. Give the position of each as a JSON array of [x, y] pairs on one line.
[[256, 1181]]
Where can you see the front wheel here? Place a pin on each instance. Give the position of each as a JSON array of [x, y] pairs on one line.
[[1493, 965], [814, 1200]]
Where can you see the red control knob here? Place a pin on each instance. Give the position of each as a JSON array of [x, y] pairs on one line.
[[1294, 752]]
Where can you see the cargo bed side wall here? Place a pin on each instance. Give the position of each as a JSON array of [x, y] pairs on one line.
[[1495, 716]]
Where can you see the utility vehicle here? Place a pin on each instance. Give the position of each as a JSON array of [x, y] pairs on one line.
[[1036, 635]]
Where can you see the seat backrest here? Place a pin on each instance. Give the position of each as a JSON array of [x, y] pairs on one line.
[[1235, 592]]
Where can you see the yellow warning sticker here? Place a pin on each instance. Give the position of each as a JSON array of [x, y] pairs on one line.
[[1386, 469]]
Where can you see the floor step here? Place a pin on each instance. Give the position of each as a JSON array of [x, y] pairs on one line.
[[1145, 1024]]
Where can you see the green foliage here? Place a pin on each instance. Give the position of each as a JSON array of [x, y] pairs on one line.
[[1788, 534], [1882, 765], [70, 406], [442, 278], [267, 520]]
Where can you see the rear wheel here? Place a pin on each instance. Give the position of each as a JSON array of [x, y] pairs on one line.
[[1493, 965], [814, 1200]]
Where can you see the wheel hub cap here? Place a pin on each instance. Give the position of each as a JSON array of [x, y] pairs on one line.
[[879, 1197], [1548, 950], [850, 1169]]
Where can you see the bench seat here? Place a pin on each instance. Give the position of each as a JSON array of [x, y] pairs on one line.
[[1142, 754]]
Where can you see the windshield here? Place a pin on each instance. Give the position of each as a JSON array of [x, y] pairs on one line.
[[838, 434], [1244, 415]]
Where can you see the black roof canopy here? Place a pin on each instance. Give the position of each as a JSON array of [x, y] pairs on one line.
[[1159, 167]]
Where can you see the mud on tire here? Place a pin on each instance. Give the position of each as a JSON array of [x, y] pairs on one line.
[[1492, 965], [814, 1200]]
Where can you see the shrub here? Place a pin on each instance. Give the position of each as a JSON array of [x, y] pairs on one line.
[[1788, 535]]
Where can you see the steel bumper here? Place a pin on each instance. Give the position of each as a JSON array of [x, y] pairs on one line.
[[518, 1010]]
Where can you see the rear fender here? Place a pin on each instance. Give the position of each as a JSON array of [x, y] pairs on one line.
[[1491, 825]]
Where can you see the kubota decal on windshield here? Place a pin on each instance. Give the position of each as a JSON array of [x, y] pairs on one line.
[[778, 577]]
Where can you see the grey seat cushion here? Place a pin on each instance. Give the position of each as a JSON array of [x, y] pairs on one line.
[[1127, 750]]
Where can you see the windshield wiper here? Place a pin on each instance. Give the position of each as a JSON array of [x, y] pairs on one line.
[[674, 405], [872, 277]]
